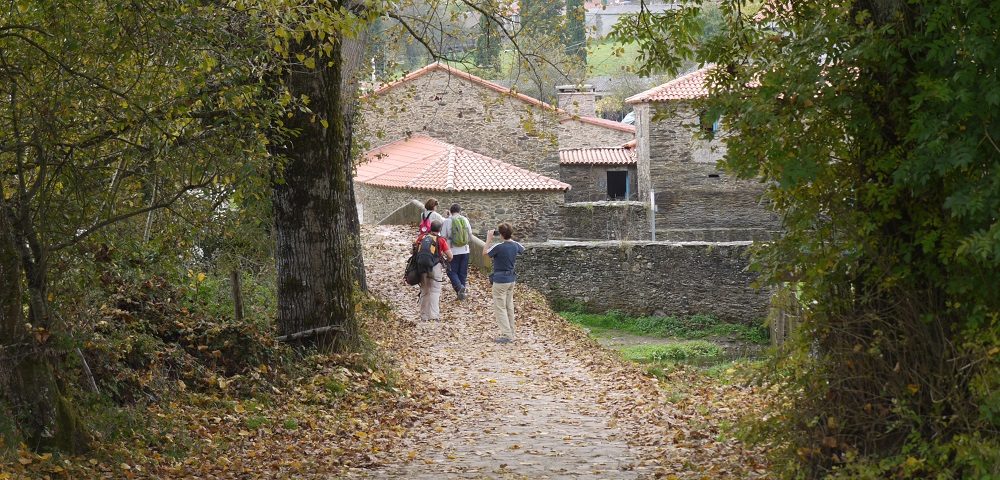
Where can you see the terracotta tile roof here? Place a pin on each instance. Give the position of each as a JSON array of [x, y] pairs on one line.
[[441, 67], [597, 156], [424, 163], [685, 87]]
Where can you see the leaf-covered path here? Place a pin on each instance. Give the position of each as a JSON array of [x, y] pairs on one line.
[[553, 404]]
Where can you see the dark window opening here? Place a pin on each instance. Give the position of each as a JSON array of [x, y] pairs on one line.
[[708, 123], [617, 185]]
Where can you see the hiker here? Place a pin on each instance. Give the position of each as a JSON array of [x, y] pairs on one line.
[[504, 255], [458, 230], [429, 215], [430, 287]]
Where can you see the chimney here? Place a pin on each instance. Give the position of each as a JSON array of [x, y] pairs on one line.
[[577, 99]]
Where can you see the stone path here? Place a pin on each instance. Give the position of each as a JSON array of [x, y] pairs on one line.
[[531, 409]]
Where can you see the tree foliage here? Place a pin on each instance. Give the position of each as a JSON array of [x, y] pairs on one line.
[[875, 125]]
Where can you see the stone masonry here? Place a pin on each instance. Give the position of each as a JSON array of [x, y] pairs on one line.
[[576, 133], [590, 182], [692, 193], [466, 114], [643, 278], [604, 221]]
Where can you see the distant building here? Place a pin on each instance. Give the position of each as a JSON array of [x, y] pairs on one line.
[[600, 19], [695, 200]]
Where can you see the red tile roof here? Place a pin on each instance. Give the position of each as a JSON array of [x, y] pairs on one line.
[[424, 163], [685, 87], [441, 67], [597, 156]]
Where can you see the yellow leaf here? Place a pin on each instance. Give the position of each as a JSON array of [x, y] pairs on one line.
[[913, 388], [201, 277], [325, 123], [310, 63]]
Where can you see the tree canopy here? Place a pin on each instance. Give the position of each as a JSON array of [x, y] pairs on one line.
[[874, 124]]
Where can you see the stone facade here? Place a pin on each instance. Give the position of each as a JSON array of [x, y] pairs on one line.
[[575, 133], [533, 214], [691, 192], [643, 278], [604, 221], [466, 114], [590, 182], [578, 101]]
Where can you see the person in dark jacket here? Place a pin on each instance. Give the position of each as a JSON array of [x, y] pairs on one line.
[[504, 255]]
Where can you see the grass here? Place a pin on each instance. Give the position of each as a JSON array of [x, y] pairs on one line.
[[695, 327], [604, 58], [690, 351], [609, 58]]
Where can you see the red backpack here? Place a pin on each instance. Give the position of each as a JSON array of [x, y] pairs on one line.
[[425, 222]]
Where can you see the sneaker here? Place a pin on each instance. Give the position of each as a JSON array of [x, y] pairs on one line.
[[461, 293]]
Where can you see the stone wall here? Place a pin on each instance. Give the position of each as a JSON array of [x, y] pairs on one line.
[[534, 215], [604, 221], [590, 182], [691, 192], [468, 115], [644, 278], [574, 133], [579, 103]]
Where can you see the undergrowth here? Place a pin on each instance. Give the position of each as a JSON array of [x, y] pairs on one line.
[[694, 327]]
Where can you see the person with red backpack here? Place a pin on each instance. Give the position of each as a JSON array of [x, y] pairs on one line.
[[431, 251], [429, 215]]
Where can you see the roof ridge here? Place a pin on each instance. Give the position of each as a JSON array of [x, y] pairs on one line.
[[644, 95], [449, 182]]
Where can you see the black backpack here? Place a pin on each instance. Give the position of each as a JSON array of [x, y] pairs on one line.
[[425, 256], [427, 253]]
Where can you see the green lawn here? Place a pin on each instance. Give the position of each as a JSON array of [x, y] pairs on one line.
[[695, 327], [604, 58], [608, 58]]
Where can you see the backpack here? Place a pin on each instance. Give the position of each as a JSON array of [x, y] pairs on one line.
[[425, 222], [427, 255], [459, 231], [412, 275]]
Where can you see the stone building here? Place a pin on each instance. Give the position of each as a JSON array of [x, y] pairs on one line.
[[489, 190], [694, 199], [467, 111], [599, 174]]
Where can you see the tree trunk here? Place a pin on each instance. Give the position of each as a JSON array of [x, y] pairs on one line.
[[318, 251], [45, 417]]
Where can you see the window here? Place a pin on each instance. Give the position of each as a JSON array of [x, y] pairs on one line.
[[617, 185], [709, 123]]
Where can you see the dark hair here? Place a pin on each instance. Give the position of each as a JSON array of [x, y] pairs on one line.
[[505, 230], [431, 203], [436, 226], [455, 208]]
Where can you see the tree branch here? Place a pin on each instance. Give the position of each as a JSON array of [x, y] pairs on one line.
[[117, 218]]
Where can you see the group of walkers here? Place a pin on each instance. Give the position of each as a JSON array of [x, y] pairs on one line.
[[447, 240]]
